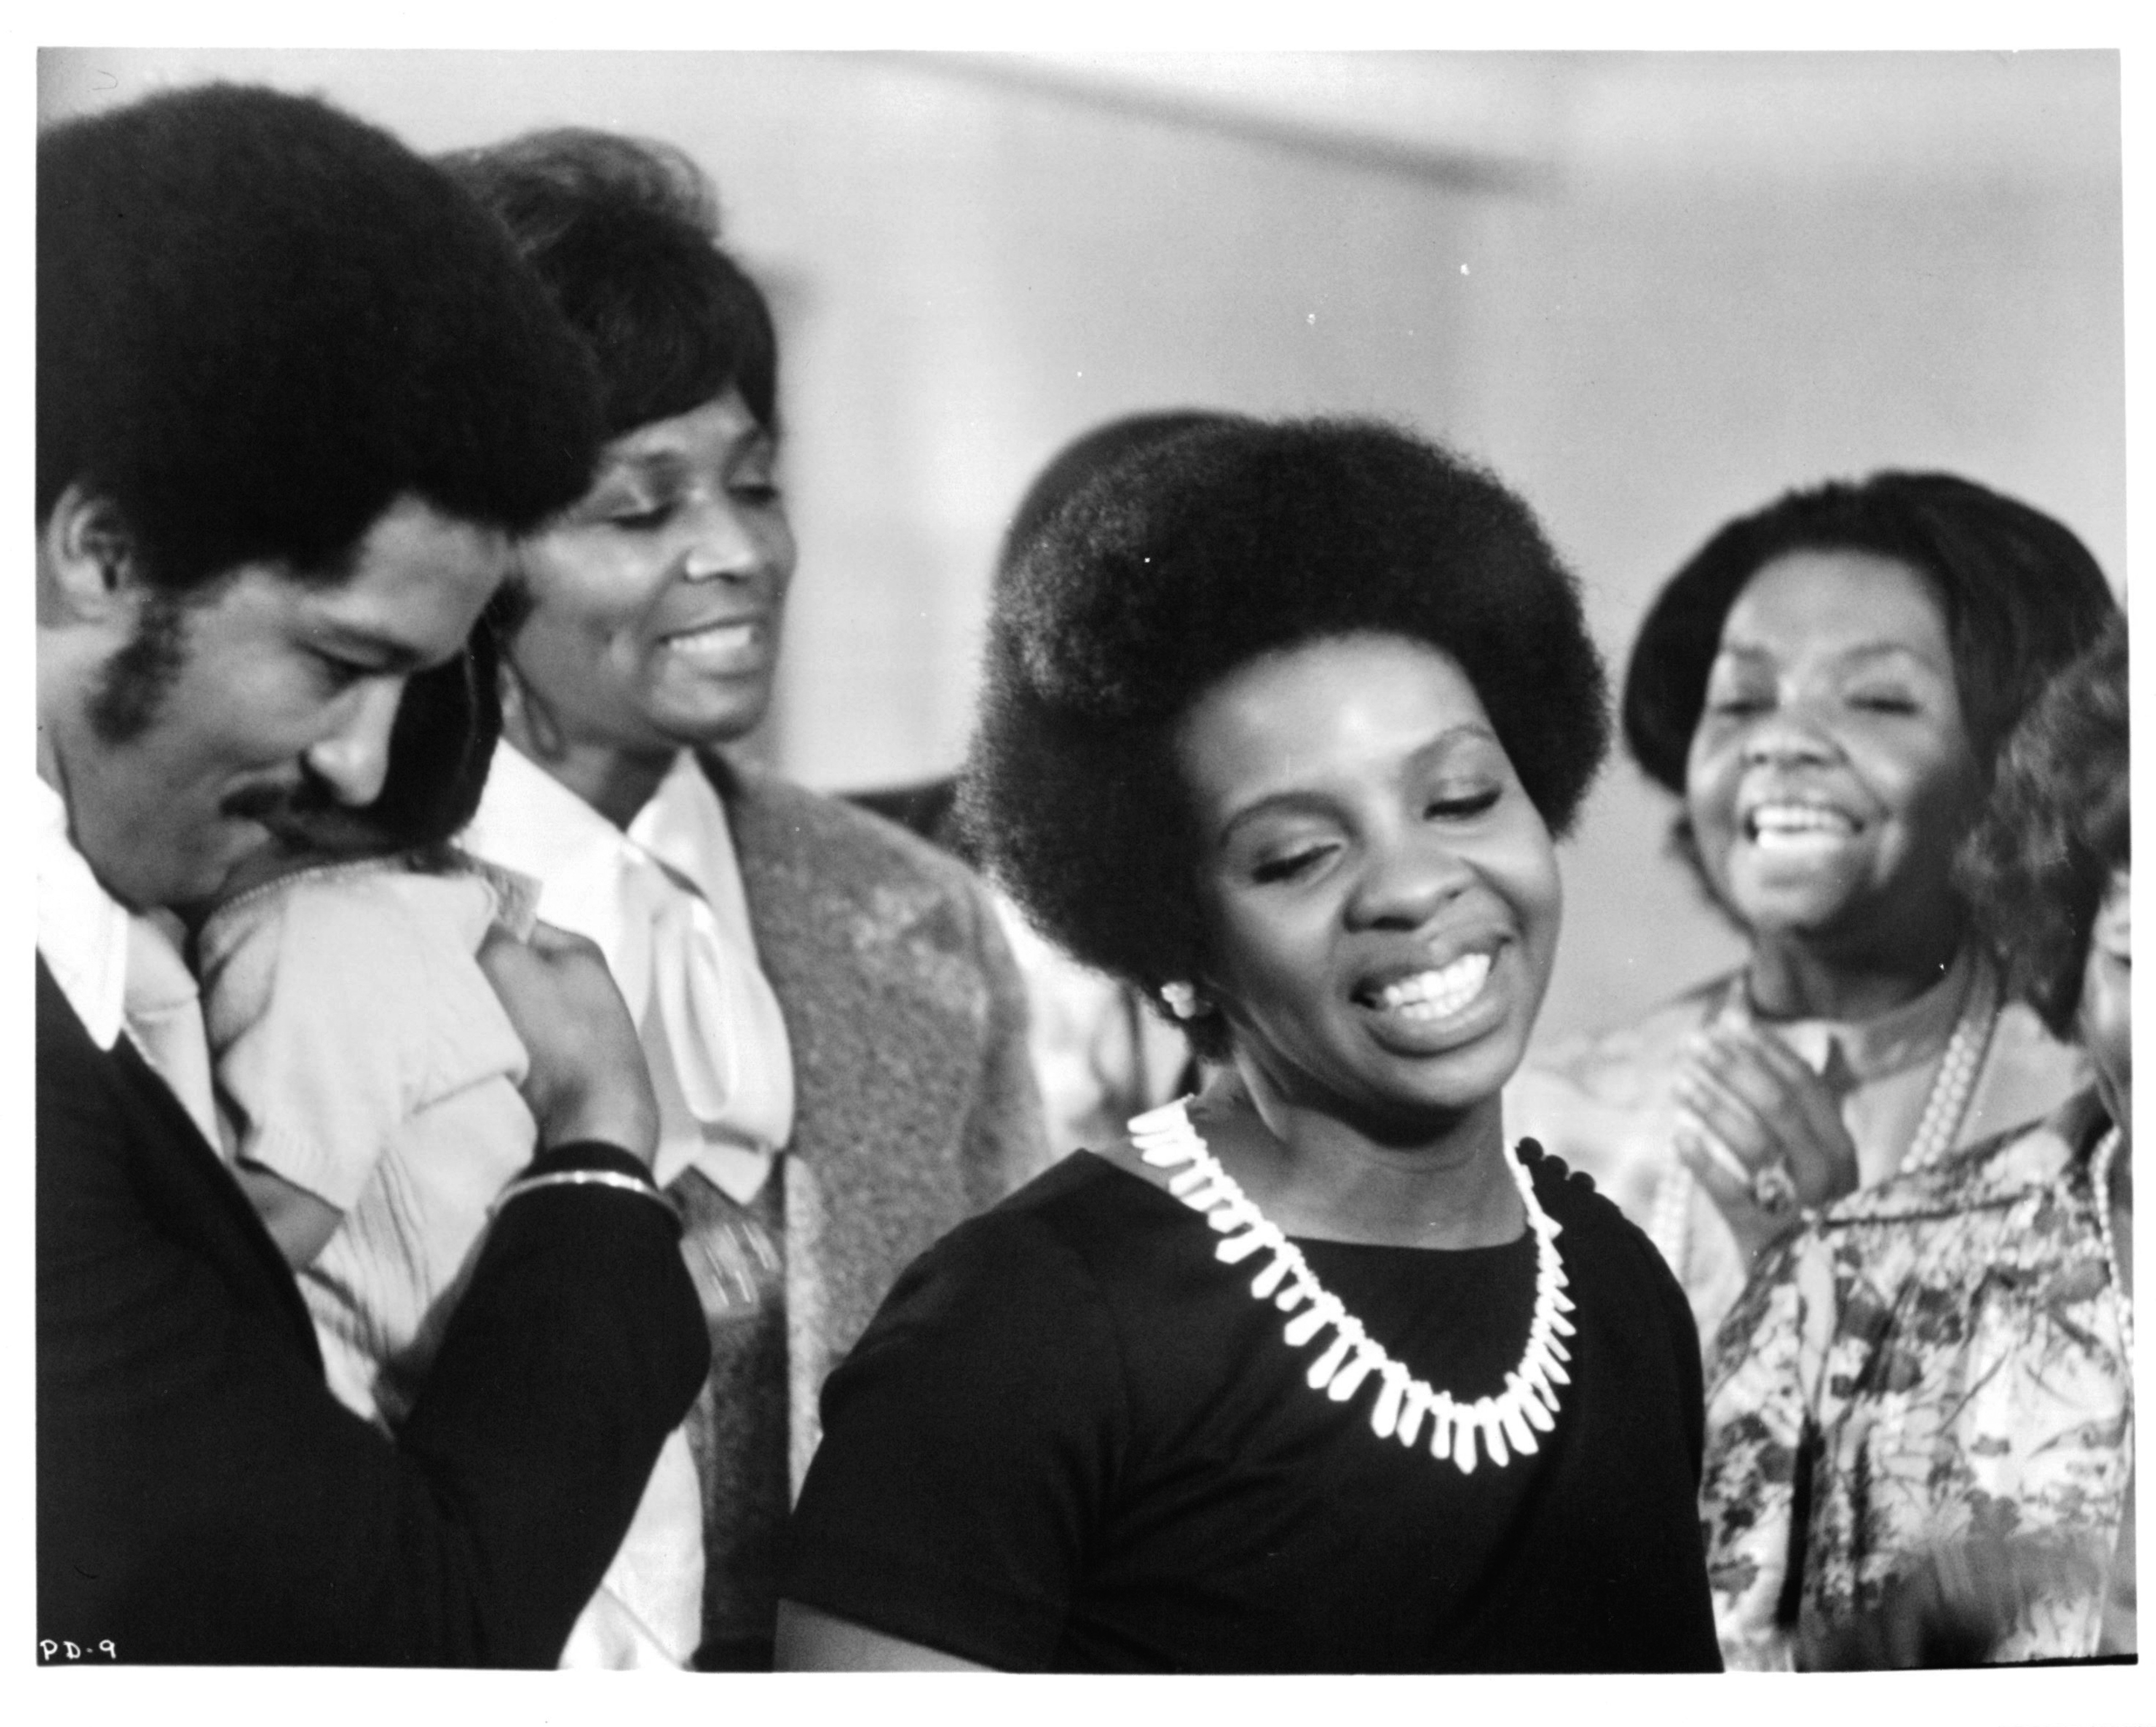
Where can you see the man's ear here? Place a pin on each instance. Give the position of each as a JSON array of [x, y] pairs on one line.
[[87, 565]]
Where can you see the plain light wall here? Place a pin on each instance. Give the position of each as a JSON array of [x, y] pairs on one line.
[[1684, 284]]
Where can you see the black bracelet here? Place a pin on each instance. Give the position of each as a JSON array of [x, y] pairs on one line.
[[590, 1154]]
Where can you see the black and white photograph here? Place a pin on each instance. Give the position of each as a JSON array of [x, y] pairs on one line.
[[1134, 860]]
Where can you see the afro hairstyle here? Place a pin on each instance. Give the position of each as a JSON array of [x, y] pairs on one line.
[[1071, 467], [1186, 558], [2034, 869], [930, 808], [261, 322]]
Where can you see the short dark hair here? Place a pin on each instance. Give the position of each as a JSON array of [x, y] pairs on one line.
[[261, 322], [1182, 562], [2021, 596], [624, 233], [2034, 869]]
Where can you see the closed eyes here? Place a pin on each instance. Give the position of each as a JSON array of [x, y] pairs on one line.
[[1286, 868], [339, 673], [1457, 808]]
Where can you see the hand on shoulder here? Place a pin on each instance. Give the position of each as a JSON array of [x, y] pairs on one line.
[[588, 1078]]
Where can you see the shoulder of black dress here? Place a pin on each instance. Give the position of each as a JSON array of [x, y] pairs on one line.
[[1546, 1166]]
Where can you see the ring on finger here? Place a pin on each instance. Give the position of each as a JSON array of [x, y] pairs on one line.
[[1774, 1190]]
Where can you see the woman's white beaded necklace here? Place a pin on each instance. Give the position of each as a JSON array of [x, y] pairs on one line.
[[1500, 1427], [2106, 1154]]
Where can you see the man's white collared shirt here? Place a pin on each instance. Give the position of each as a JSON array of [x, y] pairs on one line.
[[119, 970]]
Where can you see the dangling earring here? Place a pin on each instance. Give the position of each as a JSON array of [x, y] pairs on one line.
[[1182, 1000]]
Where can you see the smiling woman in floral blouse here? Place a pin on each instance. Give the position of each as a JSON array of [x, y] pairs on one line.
[[1921, 1412]]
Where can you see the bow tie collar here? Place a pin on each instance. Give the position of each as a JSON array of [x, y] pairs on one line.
[[666, 905]]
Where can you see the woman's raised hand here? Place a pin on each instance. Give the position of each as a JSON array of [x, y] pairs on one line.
[[1759, 1131]]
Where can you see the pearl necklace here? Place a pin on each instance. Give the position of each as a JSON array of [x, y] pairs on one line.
[[1504, 1426], [1945, 1104], [1955, 1083], [2106, 1154]]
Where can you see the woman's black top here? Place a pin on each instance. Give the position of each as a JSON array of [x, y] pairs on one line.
[[1071, 1440]]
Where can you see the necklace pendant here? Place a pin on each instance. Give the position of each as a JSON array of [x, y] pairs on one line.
[[1210, 1190], [1529, 1399], [1444, 1425], [1313, 1319], [1320, 1376], [1542, 1362], [1385, 1412], [1517, 1431], [1463, 1441], [1345, 1383], [1493, 1432], [1415, 1402]]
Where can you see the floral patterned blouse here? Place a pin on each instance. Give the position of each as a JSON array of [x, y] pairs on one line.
[[1603, 1103], [1937, 1357]]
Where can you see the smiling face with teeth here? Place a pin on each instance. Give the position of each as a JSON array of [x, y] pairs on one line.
[[655, 604], [1831, 775], [1381, 897]]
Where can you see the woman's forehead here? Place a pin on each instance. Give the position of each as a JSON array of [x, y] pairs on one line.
[[1844, 603], [1339, 706], [719, 426]]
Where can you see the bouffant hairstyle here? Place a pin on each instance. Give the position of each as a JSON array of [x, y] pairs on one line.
[[624, 234], [2034, 869], [261, 322], [2021, 596], [1186, 559]]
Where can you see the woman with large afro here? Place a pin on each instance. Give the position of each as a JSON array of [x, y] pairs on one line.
[[1316, 1372], [1824, 685]]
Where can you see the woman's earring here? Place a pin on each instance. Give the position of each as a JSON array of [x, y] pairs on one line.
[[1182, 1000]]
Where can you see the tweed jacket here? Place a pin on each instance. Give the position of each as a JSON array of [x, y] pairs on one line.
[[915, 1101]]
